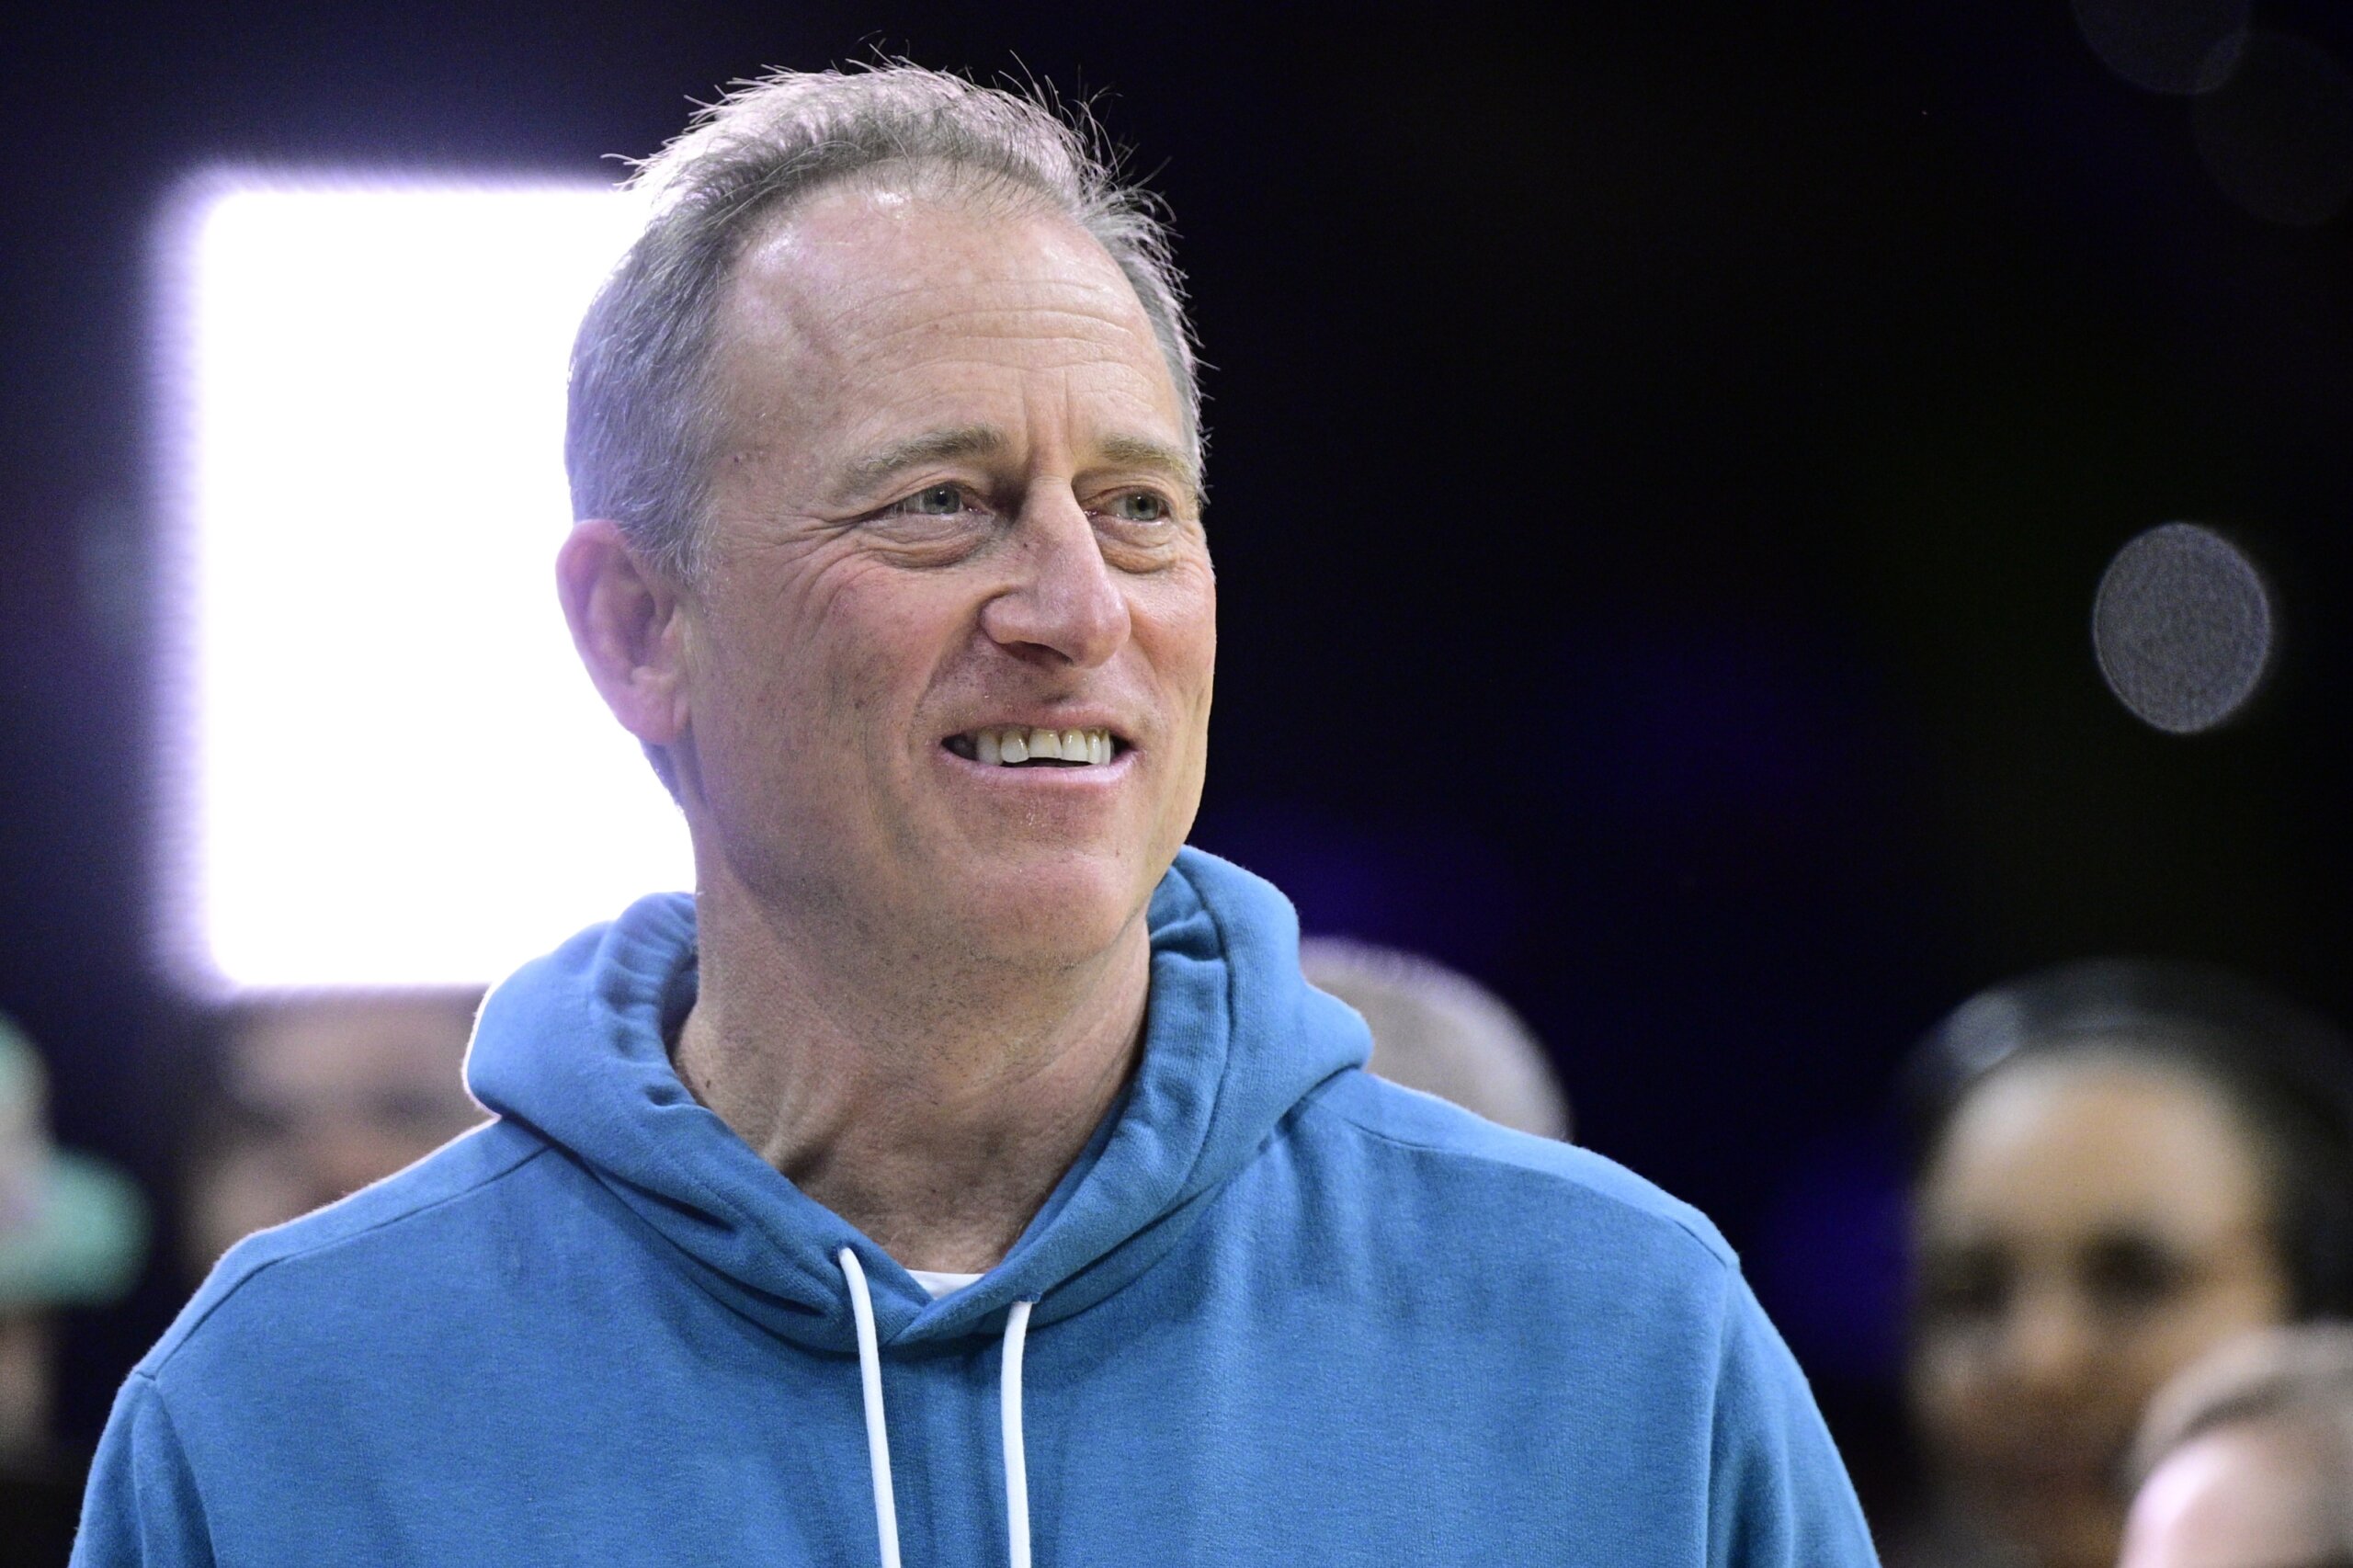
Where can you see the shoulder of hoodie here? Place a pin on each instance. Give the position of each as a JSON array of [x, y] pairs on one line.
[[434, 1191], [1518, 1168], [1521, 1167]]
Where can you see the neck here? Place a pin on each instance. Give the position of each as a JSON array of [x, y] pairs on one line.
[[933, 1104]]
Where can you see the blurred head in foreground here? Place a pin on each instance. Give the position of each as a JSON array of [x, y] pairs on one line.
[[73, 1233], [1442, 1032], [2121, 1166], [321, 1092], [2246, 1459]]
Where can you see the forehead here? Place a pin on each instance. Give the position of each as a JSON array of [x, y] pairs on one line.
[[304, 1047], [2073, 1144], [871, 308]]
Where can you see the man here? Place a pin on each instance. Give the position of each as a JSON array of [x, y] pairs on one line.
[[317, 1094], [2247, 1458], [966, 1172]]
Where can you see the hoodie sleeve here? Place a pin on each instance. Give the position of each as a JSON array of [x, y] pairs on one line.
[[141, 1506], [1778, 1496]]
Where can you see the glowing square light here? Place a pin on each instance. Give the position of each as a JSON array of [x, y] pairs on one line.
[[383, 763]]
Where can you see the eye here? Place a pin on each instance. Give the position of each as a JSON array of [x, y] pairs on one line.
[[932, 501], [1966, 1284], [1140, 507], [2127, 1275]]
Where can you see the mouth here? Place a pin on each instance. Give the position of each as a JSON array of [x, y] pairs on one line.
[[1023, 745]]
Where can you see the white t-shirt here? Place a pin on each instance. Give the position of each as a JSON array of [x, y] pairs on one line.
[[942, 1283]]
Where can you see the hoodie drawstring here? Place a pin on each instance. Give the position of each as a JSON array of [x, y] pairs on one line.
[[870, 1377], [1017, 1460], [878, 1438]]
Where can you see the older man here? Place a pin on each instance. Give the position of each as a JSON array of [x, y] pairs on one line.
[[966, 1170]]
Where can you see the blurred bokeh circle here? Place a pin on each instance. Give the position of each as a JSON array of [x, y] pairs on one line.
[[2278, 136], [2182, 627], [2166, 46]]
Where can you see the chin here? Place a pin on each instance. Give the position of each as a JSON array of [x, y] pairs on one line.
[[2073, 1533]]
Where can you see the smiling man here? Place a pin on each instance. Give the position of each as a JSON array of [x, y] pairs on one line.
[[966, 1168]]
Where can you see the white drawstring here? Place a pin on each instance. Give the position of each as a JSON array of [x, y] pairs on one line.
[[870, 1377], [1016, 1460], [878, 1440]]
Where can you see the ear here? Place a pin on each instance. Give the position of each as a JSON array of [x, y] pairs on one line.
[[628, 624]]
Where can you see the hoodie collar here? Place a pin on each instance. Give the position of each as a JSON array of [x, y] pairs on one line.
[[573, 1046]]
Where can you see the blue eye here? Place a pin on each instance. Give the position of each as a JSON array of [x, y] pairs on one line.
[[936, 501], [1142, 507]]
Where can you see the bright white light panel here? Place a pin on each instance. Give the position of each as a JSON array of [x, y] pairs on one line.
[[383, 763]]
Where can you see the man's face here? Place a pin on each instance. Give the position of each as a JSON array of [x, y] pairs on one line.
[[322, 1096], [952, 503]]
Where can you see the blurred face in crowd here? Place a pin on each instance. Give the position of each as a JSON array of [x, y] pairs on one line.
[[954, 527], [2087, 1225], [28, 1352], [321, 1095], [2255, 1493]]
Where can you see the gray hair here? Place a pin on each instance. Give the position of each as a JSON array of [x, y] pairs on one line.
[[1441, 1031], [640, 437], [2300, 1375]]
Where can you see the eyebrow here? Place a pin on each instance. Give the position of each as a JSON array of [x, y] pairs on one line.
[[1120, 450], [934, 446], [1117, 450]]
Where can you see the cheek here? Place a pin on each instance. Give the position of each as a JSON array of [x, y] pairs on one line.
[[1174, 616], [2230, 1305], [834, 658], [1949, 1385]]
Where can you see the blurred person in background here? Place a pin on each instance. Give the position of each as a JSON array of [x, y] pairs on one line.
[[2121, 1166], [72, 1233], [1441, 1031], [318, 1095], [2246, 1459]]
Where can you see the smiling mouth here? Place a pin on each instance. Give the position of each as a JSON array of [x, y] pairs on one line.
[[1019, 745]]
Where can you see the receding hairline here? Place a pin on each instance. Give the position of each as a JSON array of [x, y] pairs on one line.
[[991, 197]]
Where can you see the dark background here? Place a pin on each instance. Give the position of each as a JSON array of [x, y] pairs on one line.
[[1662, 461]]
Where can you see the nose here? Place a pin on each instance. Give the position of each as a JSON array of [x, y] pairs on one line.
[[2051, 1346], [1067, 605]]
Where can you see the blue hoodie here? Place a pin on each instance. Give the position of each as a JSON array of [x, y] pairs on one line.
[[1279, 1311]]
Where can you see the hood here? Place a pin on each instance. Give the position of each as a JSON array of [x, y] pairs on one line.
[[573, 1046]]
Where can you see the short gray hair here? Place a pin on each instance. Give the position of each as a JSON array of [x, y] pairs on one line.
[[2300, 1374], [638, 439], [1441, 1031]]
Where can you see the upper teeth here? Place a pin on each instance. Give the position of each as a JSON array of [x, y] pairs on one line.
[[1014, 743]]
